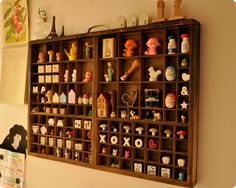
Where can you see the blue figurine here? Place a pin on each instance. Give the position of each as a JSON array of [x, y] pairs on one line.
[[181, 176]]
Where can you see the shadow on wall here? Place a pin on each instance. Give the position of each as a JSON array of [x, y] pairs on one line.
[[16, 140]]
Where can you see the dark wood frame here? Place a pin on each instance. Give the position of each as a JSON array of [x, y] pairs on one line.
[[145, 155]]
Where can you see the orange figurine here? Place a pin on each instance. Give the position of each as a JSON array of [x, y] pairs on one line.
[[130, 44]]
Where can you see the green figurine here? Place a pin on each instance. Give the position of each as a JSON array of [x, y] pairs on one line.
[[184, 63], [110, 71]]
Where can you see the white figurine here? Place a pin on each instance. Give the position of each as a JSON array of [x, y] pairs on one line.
[[74, 75], [66, 76], [153, 74]]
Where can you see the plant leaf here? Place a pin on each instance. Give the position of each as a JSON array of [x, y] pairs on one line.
[[17, 2], [7, 13], [24, 18], [13, 29], [8, 35], [7, 23], [22, 10]]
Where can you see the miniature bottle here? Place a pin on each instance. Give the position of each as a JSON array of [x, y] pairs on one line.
[[172, 49], [185, 43]]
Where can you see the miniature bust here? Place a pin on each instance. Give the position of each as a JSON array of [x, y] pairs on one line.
[[66, 76], [110, 71], [73, 52], [49, 96], [74, 75], [58, 56], [41, 57], [88, 76]]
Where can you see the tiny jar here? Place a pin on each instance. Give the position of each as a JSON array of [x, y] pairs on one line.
[[185, 43], [80, 100], [172, 49], [85, 99]]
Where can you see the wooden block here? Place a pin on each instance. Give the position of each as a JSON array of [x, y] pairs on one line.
[[55, 68], [41, 79], [41, 69], [48, 68]]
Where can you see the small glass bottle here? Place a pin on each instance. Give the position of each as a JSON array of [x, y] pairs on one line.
[[172, 49], [185, 43]]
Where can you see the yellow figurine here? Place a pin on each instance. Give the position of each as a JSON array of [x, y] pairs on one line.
[[73, 52]]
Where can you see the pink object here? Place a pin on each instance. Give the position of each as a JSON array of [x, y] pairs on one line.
[[88, 76], [170, 100], [152, 44]]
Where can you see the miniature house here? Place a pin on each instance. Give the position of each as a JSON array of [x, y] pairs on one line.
[[102, 106], [71, 97], [55, 98]]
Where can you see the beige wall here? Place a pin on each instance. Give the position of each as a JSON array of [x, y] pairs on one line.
[[217, 144]]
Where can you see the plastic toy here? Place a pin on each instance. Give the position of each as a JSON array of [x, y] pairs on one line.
[[88, 50], [152, 44], [133, 115], [58, 56], [130, 44], [41, 57], [153, 74], [72, 55], [88, 76], [156, 116], [110, 71]]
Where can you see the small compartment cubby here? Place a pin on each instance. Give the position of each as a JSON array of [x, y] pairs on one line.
[[111, 101]]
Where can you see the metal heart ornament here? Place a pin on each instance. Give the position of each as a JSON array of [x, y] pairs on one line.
[[129, 100]]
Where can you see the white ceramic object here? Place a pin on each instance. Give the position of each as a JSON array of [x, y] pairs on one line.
[[181, 162], [166, 160], [35, 129]]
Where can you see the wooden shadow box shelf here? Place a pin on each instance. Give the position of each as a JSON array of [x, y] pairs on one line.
[[121, 120]]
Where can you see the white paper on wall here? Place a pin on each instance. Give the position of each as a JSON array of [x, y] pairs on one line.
[[12, 168]]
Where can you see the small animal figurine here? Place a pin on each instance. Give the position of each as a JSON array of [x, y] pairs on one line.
[[130, 44], [153, 74], [110, 71], [72, 55], [41, 57], [88, 76], [152, 44], [133, 115], [123, 114], [114, 152], [156, 116]]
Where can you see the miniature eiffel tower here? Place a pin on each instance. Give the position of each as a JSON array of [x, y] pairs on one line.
[[53, 33]]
